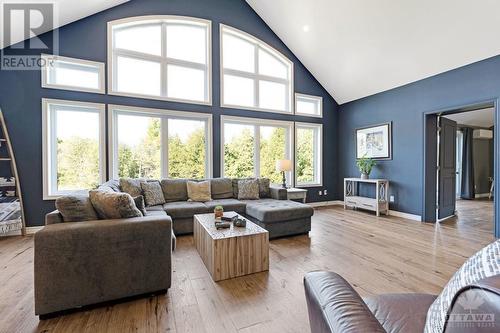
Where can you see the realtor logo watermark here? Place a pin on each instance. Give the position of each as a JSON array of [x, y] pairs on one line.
[[22, 24], [473, 317]]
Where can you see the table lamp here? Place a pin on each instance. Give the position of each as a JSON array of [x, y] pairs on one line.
[[283, 166]]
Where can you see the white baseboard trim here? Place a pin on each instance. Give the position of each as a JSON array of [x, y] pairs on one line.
[[32, 230], [405, 215], [391, 212], [482, 195], [326, 203]]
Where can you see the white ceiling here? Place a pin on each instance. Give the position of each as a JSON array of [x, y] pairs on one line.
[[66, 11], [356, 48], [477, 118]]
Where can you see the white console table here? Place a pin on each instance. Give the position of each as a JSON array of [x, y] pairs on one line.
[[379, 204]]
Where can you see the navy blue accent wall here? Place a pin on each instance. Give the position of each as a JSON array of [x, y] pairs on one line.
[[21, 94], [405, 107]]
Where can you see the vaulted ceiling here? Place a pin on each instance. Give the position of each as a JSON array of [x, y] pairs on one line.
[[356, 48]]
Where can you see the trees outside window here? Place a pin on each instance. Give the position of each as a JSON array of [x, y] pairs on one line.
[[308, 139]]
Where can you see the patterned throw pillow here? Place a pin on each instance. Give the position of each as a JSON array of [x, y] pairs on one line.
[[483, 264], [113, 205], [248, 189], [199, 191], [132, 186], [140, 204], [153, 194], [76, 208]]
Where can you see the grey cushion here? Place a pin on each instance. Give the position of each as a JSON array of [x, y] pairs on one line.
[[222, 188], [75, 208], [264, 187], [153, 194], [228, 205], [155, 208], [111, 185], [174, 189], [112, 205], [140, 204], [132, 186], [182, 209], [248, 189], [270, 210]]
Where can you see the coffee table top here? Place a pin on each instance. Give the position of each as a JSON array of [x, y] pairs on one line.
[[208, 222]]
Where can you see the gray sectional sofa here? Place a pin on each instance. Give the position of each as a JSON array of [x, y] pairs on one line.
[[272, 211]]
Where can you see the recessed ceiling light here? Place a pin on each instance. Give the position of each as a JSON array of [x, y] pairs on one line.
[[305, 28]]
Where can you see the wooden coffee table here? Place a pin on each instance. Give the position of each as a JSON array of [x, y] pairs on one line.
[[232, 252]]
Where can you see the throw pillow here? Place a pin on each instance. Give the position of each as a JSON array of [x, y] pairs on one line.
[[132, 186], [140, 204], [483, 264], [153, 195], [248, 189], [76, 208], [113, 205], [174, 189], [199, 191], [264, 188]]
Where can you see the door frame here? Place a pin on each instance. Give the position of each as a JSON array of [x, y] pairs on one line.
[[429, 181]]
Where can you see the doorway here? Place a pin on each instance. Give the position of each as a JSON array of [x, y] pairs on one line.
[[443, 182], [465, 168]]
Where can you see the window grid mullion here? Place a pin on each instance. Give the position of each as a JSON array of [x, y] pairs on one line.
[[164, 147], [256, 148], [256, 101], [164, 66]]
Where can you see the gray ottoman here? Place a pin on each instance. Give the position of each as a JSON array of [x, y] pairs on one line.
[[280, 217]]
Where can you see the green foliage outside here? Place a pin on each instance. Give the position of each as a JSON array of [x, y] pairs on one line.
[[239, 156], [77, 163], [305, 155], [271, 150], [187, 159]]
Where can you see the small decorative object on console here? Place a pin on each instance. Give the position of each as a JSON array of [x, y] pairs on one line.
[[239, 222], [218, 211]]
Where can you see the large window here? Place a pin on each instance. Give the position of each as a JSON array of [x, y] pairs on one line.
[[308, 105], [254, 75], [156, 143], [164, 57], [73, 146], [72, 74], [308, 154], [251, 147]]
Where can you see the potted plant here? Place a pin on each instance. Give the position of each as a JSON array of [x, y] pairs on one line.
[[365, 166], [218, 211]]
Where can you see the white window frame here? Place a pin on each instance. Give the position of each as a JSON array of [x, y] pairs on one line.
[[48, 143], [163, 59], [318, 152], [164, 115], [255, 76], [48, 61], [316, 99], [257, 122]]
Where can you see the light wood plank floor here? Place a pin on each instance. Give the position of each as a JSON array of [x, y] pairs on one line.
[[376, 255]]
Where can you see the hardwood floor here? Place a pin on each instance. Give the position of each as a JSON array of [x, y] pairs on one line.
[[474, 214], [377, 255]]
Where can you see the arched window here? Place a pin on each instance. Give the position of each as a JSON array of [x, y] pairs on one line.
[[161, 57], [254, 75]]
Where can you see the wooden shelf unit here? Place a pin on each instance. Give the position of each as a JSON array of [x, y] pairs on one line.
[[379, 204]]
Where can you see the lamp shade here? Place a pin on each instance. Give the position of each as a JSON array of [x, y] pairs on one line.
[[283, 165]]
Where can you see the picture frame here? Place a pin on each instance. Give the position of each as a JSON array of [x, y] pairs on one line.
[[374, 141]]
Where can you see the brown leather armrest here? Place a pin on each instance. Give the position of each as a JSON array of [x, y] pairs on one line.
[[334, 306]]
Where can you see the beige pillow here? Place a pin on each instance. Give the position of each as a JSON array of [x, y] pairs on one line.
[[199, 191], [113, 205]]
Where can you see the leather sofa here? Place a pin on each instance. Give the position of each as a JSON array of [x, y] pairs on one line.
[[280, 217], [334, 306]]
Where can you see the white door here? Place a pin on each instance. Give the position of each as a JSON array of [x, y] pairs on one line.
[[460, 142]]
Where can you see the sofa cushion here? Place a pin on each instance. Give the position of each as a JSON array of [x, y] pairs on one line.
[[111, 185], [228, 205], [222, 188], [174, 189], [248, 189], [75, 208], [483, 264], [155, 208], [199, 191], [132, 186], [153, 194], [270, 210], [401, 312], [183, 209], [113, 205], [140, 204]]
